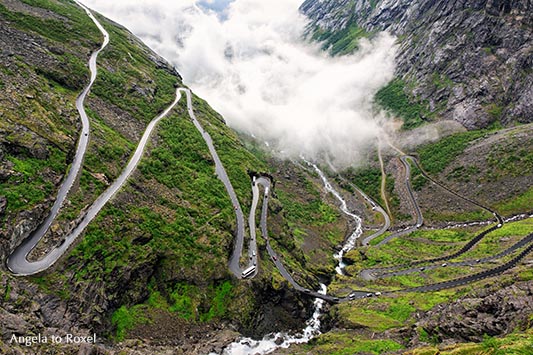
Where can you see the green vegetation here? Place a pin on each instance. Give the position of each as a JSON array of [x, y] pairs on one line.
[[463, 173], [71, 72], [393, 97], [517, 204], [418, 181], [135, 84], [441, 81], [125, 319], [219, 305], [186, 301], [369, 180], [510, 160], [28, 187], [174, 213], [512, 344], [236, 159], [7, 291], [435, 157], [342, 343], [378, 314], [341, 42], [315, 212], [495, 111], [72, 22]]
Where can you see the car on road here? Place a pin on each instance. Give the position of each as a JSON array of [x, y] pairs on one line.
[[336, 299], [274, 258], [422, 268], [444, 264], [377, 293], [369, 294], [306, 290]]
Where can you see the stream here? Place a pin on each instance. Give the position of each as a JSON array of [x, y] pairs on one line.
[[273, 341], [352, 239]]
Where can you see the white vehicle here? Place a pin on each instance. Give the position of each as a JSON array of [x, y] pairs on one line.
[[248, 272], [253, 253]]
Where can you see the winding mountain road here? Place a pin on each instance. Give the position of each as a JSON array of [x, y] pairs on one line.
[[376, 272], [419, 218], [377, 208], [358, 294], [17, 261], [234, 263], [525, 241]]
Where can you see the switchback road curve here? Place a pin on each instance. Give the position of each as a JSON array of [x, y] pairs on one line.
[[526, 242], [17, 261], [419, 218]]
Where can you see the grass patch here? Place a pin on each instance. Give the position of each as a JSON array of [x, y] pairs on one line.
[[28, 186], [369, 180], [75, 22], [518, 204], [337, 343], [435, 157], [393, 98], [341, 42], [125, 319]]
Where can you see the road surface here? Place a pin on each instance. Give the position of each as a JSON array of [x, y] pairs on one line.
[[419, 218], [17, 262]]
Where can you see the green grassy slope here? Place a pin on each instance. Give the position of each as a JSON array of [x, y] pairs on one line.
[[161, 246]]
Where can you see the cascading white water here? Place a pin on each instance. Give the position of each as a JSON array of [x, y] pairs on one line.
[[273, 341], [352, 239]]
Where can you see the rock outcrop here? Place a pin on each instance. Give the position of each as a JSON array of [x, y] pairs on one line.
[[488, 312], [469, 61]]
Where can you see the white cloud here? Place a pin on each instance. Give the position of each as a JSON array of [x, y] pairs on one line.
[[255, 69]]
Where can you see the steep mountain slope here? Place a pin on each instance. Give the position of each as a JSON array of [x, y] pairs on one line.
[[153, 264], [468, 61], [150, 275]]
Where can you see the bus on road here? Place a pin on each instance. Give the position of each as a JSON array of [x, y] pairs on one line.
[[248, 272]]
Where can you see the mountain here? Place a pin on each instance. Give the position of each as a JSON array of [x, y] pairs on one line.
[[150, 273], [468, 61], [154, 262]]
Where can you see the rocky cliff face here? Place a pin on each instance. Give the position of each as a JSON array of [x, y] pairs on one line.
[[488, 311], [470, 61]]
